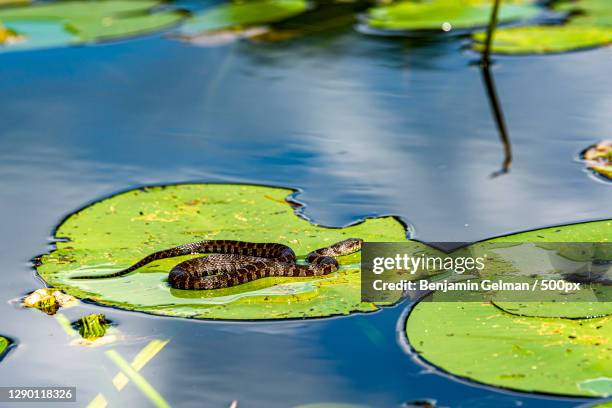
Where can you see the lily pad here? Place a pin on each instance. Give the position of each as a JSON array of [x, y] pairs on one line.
[[77, 22], [505, 346], [242, 14], [92, 327], [545, 39], [589, 25], [116, 232], [431, 15], [4, 343]]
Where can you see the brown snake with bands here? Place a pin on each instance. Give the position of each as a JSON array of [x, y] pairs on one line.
[[238, 262]]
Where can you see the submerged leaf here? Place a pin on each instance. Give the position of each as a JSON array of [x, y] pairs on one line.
[[4, 343], [589, 25], [118, 231], [92, 327]]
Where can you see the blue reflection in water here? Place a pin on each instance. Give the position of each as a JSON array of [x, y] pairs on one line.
[[363, 126]]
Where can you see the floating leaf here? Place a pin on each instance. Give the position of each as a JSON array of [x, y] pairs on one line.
[[116, 232], [491, 344], [587, 12], [481, 342], [241, 14], [75, 22], [4, 343], [545, 39], [589, 25], [599, 158], [431, 15], [13, 2]]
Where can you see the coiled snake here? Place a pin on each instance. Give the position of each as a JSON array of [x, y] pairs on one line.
[[238, 262]]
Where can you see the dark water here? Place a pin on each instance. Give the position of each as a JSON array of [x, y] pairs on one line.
[[362, 125]]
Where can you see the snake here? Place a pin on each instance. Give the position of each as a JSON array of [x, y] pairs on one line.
[[237, 262]]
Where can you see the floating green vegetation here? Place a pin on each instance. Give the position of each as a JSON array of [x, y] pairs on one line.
[[77, 22], [13, 2], [114, 233], [589, 25], [599, 158], [436, 14], [4, 343], [238, 15], [510, 345], [92, 327]]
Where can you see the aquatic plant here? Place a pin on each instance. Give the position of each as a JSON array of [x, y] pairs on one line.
[[115, 232], [240, 15], [589, 24], [443, 15], [548, 347], [92, 326], [78, 22]]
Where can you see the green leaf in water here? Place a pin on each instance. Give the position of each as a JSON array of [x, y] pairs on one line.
[[545, 39], [431, 15], [92, 326], [242, 14], [504, 345], [79, 21], [4, 343], [599, 158], [589, 25], [114, 233]]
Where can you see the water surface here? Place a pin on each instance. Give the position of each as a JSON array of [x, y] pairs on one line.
[[363, 126]]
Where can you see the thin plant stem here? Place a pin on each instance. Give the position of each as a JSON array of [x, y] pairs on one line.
[[486, 54]]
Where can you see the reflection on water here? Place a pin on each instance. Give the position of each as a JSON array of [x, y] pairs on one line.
[[500, 122], [362, 125]]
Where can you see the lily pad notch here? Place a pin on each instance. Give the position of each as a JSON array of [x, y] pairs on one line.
[[113, 233]]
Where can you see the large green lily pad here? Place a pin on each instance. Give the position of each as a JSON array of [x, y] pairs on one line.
[[242, 14], [430, 15], [116, 232], [545, 39], [589, 25], [480, 342], [76, 22], [505, 345]]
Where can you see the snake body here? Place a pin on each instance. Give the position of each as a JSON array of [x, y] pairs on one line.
[[238, 262]]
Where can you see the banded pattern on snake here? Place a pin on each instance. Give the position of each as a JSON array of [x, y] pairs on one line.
[[238, 262]]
